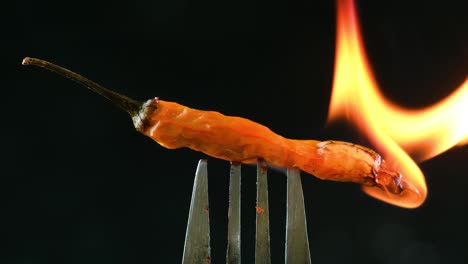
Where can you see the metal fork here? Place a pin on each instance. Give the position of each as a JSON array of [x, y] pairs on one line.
[[197, 239]]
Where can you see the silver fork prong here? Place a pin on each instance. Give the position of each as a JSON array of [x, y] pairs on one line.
[[197, 236], [262, 238], [233, 254], [297, 242]]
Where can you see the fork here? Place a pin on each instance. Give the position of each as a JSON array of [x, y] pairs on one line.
[[197, 248]]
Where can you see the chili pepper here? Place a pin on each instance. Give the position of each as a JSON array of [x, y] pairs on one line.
[[237, 139]]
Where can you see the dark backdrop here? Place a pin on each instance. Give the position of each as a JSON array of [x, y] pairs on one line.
[[79, 185]]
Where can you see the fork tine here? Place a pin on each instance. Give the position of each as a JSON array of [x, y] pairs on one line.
[[233, 254], [197, 236], [262, 238], [297, 242]]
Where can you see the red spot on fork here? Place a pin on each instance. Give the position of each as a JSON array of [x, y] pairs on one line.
[[259, 210]]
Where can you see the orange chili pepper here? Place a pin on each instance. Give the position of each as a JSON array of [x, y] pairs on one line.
[[241, 140]]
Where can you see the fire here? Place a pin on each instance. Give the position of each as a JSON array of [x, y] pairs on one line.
[[394, 131]]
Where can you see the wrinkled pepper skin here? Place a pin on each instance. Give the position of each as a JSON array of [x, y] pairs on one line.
[[241, 140]]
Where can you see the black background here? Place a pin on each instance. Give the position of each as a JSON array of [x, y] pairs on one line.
[[79, 185]]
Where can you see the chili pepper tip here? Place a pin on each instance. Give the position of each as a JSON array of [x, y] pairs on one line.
[[26, 61]]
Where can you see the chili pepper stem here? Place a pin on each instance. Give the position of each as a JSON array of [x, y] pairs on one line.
[[127, 104]]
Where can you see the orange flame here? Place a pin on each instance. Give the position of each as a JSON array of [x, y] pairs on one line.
[[393, 130]]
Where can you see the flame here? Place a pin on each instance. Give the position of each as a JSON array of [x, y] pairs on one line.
[[394, 131]]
